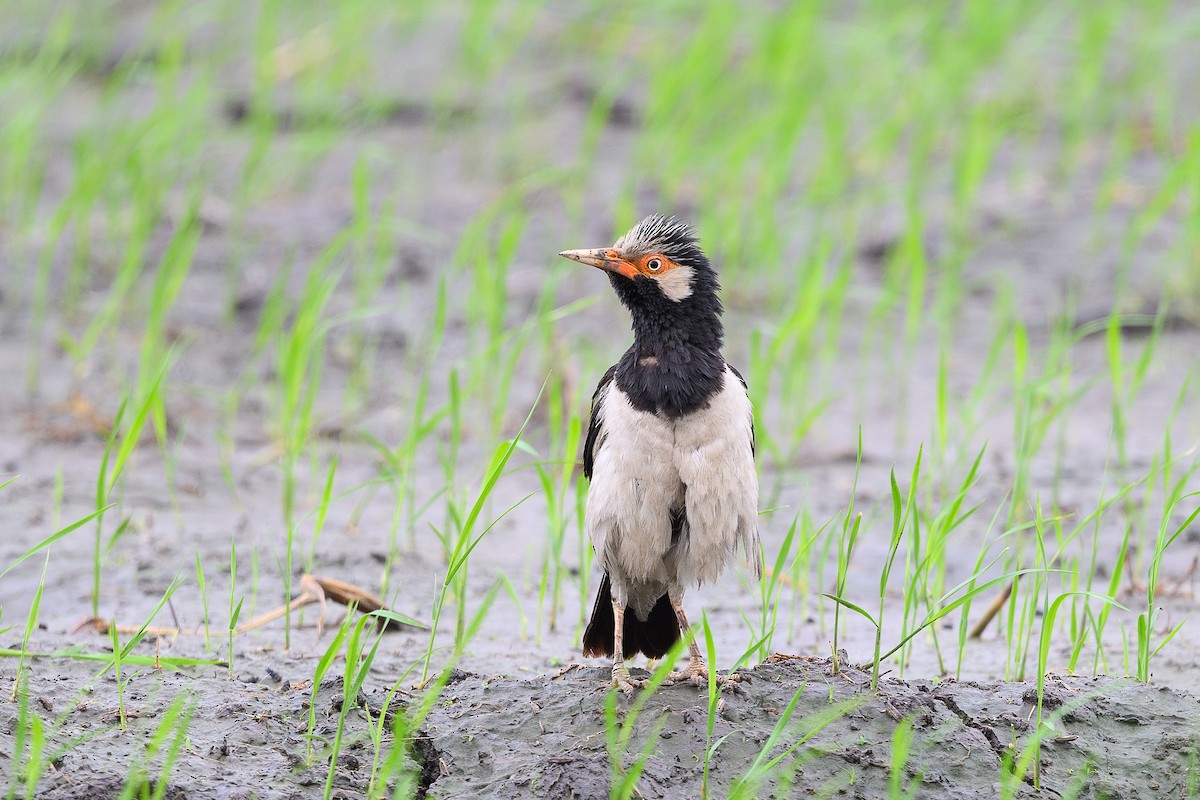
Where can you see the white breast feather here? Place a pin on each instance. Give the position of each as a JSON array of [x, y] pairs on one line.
[[646, 464], [716, 464], [634, 485]]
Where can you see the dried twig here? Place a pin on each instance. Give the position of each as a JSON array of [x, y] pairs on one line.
[[993, 610], [313, 589], [106, 627]]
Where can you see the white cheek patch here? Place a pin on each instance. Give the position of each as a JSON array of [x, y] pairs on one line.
[[676, 284]]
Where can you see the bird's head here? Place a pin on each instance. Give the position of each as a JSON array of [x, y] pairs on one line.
[[658, 259]]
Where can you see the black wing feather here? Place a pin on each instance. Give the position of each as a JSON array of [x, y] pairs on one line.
[[596, 424]]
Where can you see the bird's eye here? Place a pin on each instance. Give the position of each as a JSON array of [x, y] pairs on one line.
[[654, 264]]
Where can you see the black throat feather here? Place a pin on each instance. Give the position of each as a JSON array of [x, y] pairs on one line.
[[674, 366]]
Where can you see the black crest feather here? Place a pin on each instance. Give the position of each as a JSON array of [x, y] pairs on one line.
[[670, 236]]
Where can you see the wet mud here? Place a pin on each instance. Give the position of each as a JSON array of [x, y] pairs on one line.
[[559, 734]]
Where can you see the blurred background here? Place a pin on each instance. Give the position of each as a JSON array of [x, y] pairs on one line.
[[282, 275]]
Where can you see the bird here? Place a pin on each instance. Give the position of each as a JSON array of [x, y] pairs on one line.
[[669, 451]]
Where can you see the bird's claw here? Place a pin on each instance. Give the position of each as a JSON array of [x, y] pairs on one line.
[[730, 679], [622, 680], [696, 673]]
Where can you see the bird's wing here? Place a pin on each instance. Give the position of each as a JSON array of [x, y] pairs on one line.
[[596, 427], [745, 386]]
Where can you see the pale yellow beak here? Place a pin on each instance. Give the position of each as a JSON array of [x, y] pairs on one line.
[[604, 258]]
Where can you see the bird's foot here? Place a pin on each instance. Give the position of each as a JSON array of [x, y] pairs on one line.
[[622, 680], [696, 673]]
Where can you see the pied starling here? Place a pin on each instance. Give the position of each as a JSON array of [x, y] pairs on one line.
[[669, 451]]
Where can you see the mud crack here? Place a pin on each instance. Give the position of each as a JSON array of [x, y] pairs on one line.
[[998, 747], [430, 760], [993, 740]]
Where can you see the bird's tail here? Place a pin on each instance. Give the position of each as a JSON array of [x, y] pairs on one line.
[[653, 636]]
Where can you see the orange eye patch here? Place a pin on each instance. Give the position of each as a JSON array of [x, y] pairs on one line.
[[654, 264]]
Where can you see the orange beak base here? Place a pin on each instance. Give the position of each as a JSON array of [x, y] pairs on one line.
[[606, 259]]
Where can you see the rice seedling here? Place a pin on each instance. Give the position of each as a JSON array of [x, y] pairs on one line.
[[791, 738], [322, 511], [235, 608], [166, 740], [1083, 621], [121, 652], [1147, 620], [385, 763], [30, 624], [925, 565], [358, 662], [902, 740], [556, 475], [168, 282], [901, 511], [770, 587], [29, 745], [900, 520], [1029, 600], [405, 723], [1193, 774], [620, 727], [713, 693], [466, 540], [200, 584], [398, 469], [1125, 381], [846, 540], [781, 362], [120, 679], [112, 464], [301, 358], [1043, 662], [75, 653]]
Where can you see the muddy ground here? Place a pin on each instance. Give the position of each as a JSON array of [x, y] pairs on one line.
[[549, 735], [524, 716]]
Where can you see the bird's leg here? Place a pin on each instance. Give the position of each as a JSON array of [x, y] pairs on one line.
[[696, 672], [620, 674]]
